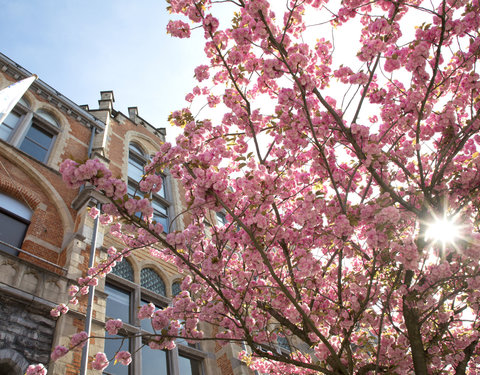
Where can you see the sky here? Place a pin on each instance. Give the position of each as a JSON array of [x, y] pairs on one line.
[[83, 47]]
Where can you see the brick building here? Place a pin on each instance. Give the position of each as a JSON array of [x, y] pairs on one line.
[[46, 236]]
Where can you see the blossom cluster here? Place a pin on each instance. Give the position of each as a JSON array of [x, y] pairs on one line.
[[326, 194]]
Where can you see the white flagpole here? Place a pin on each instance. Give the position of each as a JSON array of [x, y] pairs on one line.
[[9, 96]]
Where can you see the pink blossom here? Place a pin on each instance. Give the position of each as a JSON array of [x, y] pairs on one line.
[[201, 72], [178, 29], [58, 352], [113, 325], [59, 310], [100, 361], [73, 290], [79, 339], [36, 370], [93, 212], [146, 311], [124, 357]]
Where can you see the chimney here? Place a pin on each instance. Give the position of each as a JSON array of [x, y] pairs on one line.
[[106, 100], [133, 113]]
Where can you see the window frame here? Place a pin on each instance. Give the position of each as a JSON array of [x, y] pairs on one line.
[[10, 206], [137, 295], [27, 119], [134, 185]]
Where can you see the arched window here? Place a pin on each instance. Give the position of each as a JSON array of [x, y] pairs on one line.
[[33, 133], [38, 140], [124, 298], [176, 288], [137, 160], [136, 163], [14, 218], [13, 120], [150, 280], [124, 270], [48, 117]]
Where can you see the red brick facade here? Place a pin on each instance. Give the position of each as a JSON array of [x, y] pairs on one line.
[[56, 246]]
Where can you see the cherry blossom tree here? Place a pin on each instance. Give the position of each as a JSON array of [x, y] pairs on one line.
[[333, 163]]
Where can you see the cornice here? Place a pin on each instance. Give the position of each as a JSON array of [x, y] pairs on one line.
[[55, 98]]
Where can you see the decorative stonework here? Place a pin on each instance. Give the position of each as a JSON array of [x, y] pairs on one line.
[[25, 330]]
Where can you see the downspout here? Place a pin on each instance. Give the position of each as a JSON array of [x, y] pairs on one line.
[[91, 288]]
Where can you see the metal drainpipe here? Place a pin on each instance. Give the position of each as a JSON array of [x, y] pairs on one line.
[[91, 294], [91, 263]]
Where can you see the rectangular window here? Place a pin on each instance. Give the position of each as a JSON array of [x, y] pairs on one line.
[[114, 344], [154, 362], [160, 210], [8, 125], [37, 142], [188, 366], [12, 231], [160, 214], [145, 361], [118, 303], [135, 168]]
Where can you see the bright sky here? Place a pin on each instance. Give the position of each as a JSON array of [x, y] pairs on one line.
[[83, 47]]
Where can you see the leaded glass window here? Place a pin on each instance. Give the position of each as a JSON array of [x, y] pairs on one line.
[[176, 288], [150, 280], [124, 270]]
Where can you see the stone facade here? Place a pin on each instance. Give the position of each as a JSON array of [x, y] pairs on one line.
[[55, 247]]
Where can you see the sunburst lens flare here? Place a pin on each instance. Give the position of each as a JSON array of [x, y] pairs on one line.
[[443, 230]]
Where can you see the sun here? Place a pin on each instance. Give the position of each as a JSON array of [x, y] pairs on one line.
[[443, 230]]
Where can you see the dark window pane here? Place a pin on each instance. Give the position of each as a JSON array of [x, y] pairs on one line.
[[124, 270], [152, 281], [221, 219], [154, 362], [176, 288], [114, 344], [135, 168], [162, 189], [48, 117], [8, 125], [133, 147], [160, 208], [37, 142], [146, 324], [118, 303], [12, 231], [283, 343], [160, 214], [188, 366], [39, 135]]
